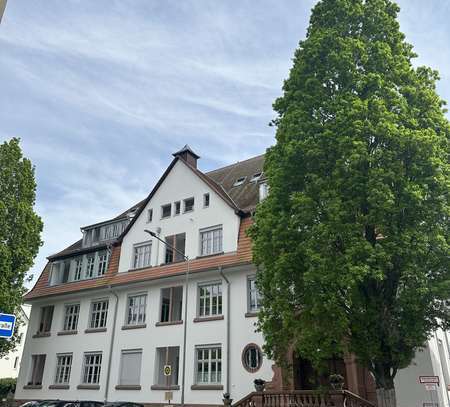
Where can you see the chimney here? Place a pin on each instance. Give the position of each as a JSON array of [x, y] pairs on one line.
[[187, 155]]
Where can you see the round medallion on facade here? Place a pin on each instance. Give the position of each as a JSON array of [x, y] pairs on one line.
[[252, 357]]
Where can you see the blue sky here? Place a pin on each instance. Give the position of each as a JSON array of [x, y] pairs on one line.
[[102, 92]]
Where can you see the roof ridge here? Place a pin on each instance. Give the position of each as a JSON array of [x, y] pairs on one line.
[[237, 162]]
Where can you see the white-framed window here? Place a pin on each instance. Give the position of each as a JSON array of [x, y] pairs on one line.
[[206, 200], [63, 368], [90, 262], [171, 304], [210, 299], [211, 240], [71, 315], [177, 242], [208, 364], [263, 191], [188, 204], [45, 323], [253, 295], [37, 370], [136, 309], [92, 364], [99, 314], [149, 215], [142, 255], [177, 206], [252, 358], [78, 268], [166, 211], [167, 356], [130, 367], [102, 263], [16, 362]]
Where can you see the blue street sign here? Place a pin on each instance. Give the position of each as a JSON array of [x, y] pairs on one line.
[[7, 322]]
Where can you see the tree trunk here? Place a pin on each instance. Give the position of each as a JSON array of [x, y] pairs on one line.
[[386, 397]]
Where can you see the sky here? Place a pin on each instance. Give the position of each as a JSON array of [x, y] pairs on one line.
[[102, 92]]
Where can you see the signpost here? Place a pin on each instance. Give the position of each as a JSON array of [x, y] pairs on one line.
[[429, 379], [430, 383], [7, 322], [168, 395]]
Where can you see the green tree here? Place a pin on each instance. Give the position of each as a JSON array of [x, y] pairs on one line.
[[353, 240], [20, 229]]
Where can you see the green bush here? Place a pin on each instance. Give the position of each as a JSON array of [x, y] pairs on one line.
[[7, 384]]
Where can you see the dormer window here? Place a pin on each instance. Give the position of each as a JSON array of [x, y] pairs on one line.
[[205, 200], [256, 177], [239, 181], [166, 211], [188, 204]]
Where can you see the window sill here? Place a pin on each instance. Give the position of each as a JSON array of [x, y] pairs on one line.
[[137, 326], [88, 387], [93, 330], [251, 314], [212, 318], [203, 256], [32, 386], [160, 387], [41, 335], [60, 333], [59, 386], [207, 387], [169, 323], [128, 387]]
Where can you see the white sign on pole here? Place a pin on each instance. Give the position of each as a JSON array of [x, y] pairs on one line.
[[430, 386], [429, 379]]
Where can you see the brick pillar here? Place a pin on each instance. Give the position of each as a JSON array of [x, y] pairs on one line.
[[351, 369]]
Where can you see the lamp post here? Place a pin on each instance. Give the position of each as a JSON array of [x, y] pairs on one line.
[[183, 369]]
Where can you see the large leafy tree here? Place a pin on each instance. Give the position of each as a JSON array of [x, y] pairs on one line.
[[20, 229], [353, 240]]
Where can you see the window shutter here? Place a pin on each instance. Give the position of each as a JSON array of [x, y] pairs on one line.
[[130, 372]]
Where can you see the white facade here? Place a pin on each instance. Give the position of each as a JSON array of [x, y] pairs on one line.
[[10, 364]]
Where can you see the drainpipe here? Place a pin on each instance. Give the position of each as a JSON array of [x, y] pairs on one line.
[[228, 328], [111, 344]]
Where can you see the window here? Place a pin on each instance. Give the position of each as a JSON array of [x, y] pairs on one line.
[[205, 200], [63, 367], [99, 314], [37, 370], [92, 364], [239, 181], [149, 215], [179, 243], [130, 367], [136, 309], [253, 296], [171, 304], [211, 241], [71, 315], [167, 356], [45, 324], [66, 271], [256, 177], [102, 263], [252, 358], [166, 211], [177, 207], [263, 191], [188, 204], [209, 365], [16, 362], [78, 268], [90, 266], [210, 299], [142, 255]]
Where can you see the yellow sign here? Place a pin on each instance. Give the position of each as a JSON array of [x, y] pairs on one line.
[[167, 370]]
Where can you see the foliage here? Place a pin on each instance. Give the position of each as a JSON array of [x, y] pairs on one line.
[[7, 385], [20, 229], [353, 239]]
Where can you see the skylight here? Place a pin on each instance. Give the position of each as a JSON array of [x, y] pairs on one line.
[[239, 181], [256, 177]]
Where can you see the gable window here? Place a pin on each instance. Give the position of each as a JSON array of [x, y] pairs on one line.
[[208, 365], [78, 268], [99, 314], [211, 241], [166, 211], [149, 215], [63, 368], [205, 200], [45, 323], [92, 365], [71, 315], [239, 181], [130, 367], [210, 299], [179, 243], [167, 356], [90, 266], [102, 263], [142, 255], [136, 309], [37, 370], [171, 304], [177, 205], [253, 296], [188, 204]]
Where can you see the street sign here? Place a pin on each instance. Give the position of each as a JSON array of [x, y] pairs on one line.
[[7, 322], [167, 370], [430, 386], [429, 379]]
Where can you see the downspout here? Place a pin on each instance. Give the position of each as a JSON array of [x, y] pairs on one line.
[[111, 344], [228, 329]]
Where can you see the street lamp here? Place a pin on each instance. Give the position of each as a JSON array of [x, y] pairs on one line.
[[183, 369]]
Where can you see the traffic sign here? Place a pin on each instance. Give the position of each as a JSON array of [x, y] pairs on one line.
[[429, 379], [7, 322], [167, 370]]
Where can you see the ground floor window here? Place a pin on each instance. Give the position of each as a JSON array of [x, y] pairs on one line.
[[167, 356], [208, 364], [91, 368], [37, 370], [130, 367], [63, 368]]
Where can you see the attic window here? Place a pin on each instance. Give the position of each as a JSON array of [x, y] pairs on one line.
[[256, 177], [166, 211], [239, 181]]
